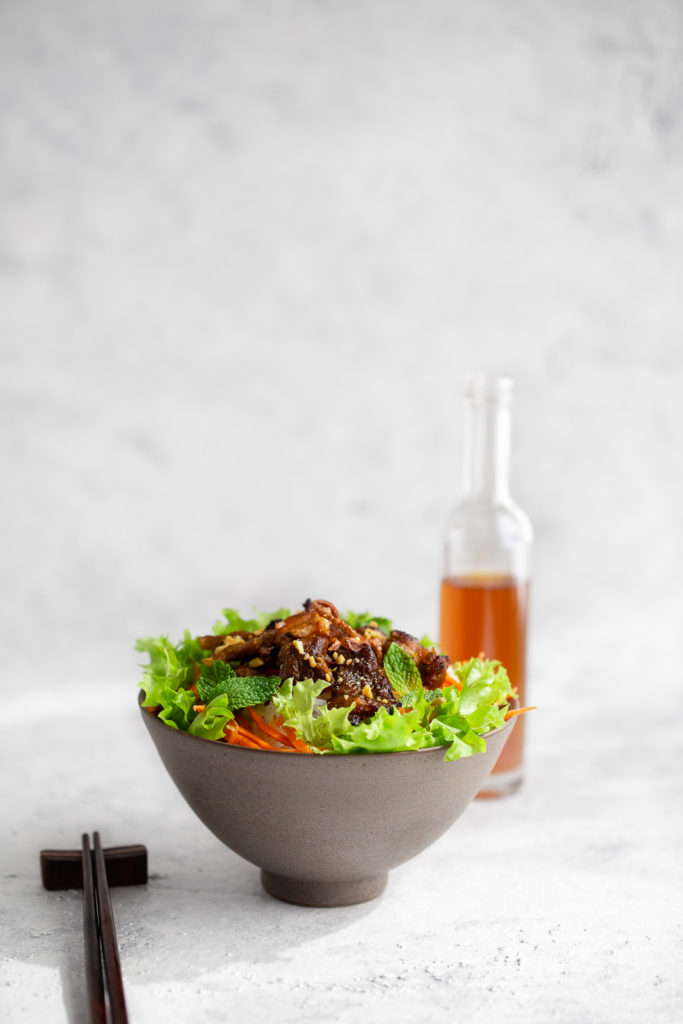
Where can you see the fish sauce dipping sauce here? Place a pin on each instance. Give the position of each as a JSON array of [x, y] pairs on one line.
[[315, 682], [488, 613], [484, 597]]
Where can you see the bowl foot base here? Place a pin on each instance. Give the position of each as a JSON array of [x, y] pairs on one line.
[[323, 894]]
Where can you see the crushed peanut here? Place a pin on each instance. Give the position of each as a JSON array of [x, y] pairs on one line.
[[298, 646], [366, 691], [255, 662], [228, 641]]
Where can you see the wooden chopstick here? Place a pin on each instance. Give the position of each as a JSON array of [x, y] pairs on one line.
[[93, 960], [110, 949], [96, 871]]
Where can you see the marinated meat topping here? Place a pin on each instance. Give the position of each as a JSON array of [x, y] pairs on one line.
[[316, 643]]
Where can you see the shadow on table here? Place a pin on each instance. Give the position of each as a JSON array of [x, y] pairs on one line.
[[189, 920], [219, 915]]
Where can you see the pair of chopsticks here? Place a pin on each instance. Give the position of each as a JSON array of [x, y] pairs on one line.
[[95, 870], [99, 934]]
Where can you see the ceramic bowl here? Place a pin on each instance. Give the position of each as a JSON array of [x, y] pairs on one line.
[[324, 829]]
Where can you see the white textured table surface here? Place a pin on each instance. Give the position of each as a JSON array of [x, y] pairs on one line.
[[561, 903]]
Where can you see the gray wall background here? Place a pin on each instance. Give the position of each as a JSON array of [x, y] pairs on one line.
[[249, 253]]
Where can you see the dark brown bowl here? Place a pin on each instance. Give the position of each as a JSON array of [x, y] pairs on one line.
[[324, 829]]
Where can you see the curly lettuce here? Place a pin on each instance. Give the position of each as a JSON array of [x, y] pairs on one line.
[[232, 620], [457, 716], [192, 693], [311, 719]]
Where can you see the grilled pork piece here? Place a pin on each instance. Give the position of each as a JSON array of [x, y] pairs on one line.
[[359, 679], [316, 643], [239, 646], [303, 659]]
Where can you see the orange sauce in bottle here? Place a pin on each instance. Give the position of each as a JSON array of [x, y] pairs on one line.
[[487, 614]]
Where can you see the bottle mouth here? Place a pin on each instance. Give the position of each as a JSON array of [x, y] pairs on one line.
[[485, 387]]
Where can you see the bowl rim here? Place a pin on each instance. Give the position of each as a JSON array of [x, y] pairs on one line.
[[334, 756]]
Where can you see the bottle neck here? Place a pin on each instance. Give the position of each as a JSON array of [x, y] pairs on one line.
[[487, 443]]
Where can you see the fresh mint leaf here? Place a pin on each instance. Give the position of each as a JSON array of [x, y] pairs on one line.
[[250, 690], [403, 673], [219, 678], [213, 679]]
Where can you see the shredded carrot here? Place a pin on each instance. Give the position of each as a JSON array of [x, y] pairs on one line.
[[518, 711], [252, 738], [242, 741], [269, 730], [246, 734], [241, 735], [238, 737], [291, 737], [199, 707], [299, 746], [295, 741]]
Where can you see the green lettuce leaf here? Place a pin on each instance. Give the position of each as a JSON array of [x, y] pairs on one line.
[[210, 723], [170, 667], [189, 650], [314, 723], [484, 698], [232, 620], [359, 620], [176, 708], [460, 743], [461, 718], [383, 733]]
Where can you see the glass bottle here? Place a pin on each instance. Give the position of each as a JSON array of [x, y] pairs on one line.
[[485, 587]]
